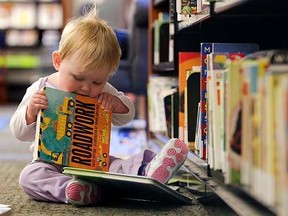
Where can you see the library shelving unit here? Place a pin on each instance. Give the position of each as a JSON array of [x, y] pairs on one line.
[[29, 31], [250, 21]]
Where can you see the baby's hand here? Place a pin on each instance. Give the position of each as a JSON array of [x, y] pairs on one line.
[[37, 102], [112, 103]]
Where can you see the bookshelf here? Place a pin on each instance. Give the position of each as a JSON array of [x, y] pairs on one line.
[[29, 32], [237, 21]]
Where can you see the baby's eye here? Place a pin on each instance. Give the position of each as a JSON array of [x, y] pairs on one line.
[[78, 78], [97, 83]]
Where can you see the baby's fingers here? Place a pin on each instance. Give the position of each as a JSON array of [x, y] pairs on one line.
[[106, 101]]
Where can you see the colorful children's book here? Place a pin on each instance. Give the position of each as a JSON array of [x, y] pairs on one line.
[[269, 103], [205, 49], [130, 186], [187, 8], [74, 131], [233, 119], [216, 66]]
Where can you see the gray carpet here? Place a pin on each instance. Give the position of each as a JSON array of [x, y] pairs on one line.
[[21, 204]]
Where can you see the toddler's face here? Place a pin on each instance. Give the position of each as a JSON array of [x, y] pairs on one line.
[[72, 79]]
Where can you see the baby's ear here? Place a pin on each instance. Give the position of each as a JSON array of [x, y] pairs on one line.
[[56, 59]]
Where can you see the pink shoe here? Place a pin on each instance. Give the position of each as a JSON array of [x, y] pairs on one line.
[[82, 193], [167, 161]]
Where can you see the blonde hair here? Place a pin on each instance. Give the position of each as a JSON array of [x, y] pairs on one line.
[[94, 39]]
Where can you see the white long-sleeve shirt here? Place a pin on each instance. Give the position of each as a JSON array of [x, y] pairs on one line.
[[26, 133]]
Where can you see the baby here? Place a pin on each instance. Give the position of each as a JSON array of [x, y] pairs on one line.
[[88, 55]]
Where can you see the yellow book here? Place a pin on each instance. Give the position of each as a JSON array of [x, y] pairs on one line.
[[74, 131]]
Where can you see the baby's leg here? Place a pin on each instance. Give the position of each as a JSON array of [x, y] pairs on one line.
[[165, 164], [132, 164], [160, 167], [44, 182]]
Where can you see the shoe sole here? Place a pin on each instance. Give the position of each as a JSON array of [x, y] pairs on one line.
[[168, 166], [81, 194]]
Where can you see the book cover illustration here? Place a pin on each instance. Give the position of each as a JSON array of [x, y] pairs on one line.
[[74, 131], [187, 8]]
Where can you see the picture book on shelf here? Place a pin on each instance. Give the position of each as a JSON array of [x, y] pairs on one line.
[[187, 8], [130, 186], [265, 114], [74, 131], [215, 103], [157, 88], [216, 66], [205, 49], [233, 120]]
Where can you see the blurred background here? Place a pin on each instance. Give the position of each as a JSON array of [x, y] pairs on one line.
[[30, 31]]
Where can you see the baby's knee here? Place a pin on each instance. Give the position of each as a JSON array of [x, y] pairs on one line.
[[31, 173], [25, 177]]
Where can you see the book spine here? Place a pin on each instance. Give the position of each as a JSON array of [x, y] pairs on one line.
[[206, 48], [38, 137]]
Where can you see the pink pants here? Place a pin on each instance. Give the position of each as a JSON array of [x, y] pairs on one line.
[[45, 182]]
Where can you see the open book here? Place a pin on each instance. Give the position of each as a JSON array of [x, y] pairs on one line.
[[130, 186]]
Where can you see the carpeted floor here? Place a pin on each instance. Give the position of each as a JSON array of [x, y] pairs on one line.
[[11, 193]]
